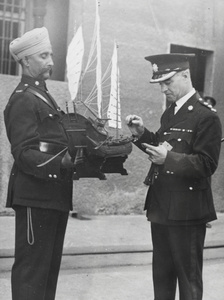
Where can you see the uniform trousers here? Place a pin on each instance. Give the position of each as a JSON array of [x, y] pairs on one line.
[[178, 258], [38, 249]]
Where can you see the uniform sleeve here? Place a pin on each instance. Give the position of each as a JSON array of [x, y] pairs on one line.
[[21, 122], [203, 160], [147, 137]]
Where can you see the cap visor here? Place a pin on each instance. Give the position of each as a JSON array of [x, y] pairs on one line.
[[163, 77]]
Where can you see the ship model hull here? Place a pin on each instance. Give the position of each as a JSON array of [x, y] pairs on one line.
[[94, 150]]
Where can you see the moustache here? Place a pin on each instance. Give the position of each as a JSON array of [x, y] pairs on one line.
[[44, 70]]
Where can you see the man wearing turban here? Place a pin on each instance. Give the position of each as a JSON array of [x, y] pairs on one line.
[[40, 183]]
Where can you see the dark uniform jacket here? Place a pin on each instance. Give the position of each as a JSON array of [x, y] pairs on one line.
[[36, 134], [180, 189]]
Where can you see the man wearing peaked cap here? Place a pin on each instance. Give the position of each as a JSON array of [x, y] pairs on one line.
[[184, 154], [40, 183], [164, 66]]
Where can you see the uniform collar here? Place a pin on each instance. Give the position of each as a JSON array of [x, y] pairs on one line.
[[34, 82], [181, 101], [186, 108]]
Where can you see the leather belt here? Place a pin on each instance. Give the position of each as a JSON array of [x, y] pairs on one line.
[[51, 148]]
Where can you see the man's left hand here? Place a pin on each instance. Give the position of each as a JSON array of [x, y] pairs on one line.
[[157, 154]]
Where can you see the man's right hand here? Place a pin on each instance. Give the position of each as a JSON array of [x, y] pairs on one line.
[[135, 125]]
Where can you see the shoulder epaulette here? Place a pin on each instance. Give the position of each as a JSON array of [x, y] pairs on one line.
[[22, 88], [209, 106]]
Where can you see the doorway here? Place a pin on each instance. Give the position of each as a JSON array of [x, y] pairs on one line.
[[199, 65]]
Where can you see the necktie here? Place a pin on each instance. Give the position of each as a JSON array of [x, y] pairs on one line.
[[171, 110]]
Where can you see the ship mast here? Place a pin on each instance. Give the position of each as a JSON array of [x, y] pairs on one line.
[[99, 66], [117, 96]]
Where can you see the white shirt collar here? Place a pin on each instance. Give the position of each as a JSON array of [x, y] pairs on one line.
[[181, 101]]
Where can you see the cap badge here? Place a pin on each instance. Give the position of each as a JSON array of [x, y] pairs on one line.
[[155, 68], [190, 107]]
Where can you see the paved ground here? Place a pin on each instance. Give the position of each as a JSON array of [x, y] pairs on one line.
[[129, 283], [109, 258], [120, 283]]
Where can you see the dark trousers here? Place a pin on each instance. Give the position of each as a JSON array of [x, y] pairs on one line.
[[178, 257], [38, 250]]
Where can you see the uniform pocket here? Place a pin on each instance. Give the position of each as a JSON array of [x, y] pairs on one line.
[[180, 141], [49, 123], [47, 114]]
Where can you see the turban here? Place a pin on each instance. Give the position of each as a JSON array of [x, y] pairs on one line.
[[32, 42]]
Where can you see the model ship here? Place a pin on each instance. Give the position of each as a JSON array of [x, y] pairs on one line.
[[96, 150]]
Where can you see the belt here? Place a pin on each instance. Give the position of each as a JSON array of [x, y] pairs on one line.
[[51, 148]]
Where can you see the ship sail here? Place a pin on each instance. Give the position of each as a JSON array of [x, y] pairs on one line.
[[76, 75], [114, 109], [74, 60]]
